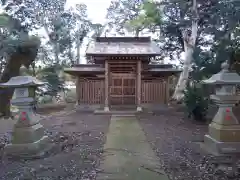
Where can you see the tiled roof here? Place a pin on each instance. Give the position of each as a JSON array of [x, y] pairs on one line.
[[123, 46], [84, 69], [101, 70]]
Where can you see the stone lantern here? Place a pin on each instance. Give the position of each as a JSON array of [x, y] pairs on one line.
[[224, 131], [28, 138]]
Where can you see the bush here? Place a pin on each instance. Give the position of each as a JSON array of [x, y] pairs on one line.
[[171, 91], [71, 95], [195, 101]]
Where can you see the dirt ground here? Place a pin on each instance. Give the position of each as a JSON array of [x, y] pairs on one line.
[[175, 140], [79, 141]]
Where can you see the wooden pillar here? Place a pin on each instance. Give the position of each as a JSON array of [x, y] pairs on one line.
[[77, 91], [106, 104], [167, 89], [139, 78]]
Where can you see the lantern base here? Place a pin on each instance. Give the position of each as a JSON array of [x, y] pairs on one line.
[[224, 133], [214, 146], [139, 109], [31, 150], [26, 135], [106, 109]]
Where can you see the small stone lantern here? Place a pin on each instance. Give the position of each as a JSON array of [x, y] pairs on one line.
[[28, 138], [224, 131]]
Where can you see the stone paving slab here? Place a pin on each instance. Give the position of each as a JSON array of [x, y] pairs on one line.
[[127, 154]]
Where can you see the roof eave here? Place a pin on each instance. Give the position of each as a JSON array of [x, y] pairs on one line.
[[174, 71], [100, 54], [75, 72]]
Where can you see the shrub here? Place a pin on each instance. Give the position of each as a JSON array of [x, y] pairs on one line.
[[171, 91], [195, 101]]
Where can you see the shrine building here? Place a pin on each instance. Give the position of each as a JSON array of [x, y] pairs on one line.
[[119, 73]]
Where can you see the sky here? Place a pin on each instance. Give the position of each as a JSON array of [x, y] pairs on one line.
[[97, 9]]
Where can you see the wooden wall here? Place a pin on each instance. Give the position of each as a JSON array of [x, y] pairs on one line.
[[90, 91], [154, 91]]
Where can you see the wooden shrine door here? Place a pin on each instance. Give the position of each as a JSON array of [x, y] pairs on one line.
[[122, 89]]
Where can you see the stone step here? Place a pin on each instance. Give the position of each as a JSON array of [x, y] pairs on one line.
[[124, 112], [116, 112], [123, 115]]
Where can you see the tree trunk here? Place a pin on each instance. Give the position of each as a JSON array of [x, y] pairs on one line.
[[33, 69], [78, 52], [53, 43], [182, 81], [12, 69], [56, 52], [137, 32], [70, 54], [189, 45]]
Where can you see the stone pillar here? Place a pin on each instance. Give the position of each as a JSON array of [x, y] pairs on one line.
[[139, 68], [106, 104]]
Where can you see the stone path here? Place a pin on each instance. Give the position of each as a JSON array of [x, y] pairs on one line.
[[127, 154]]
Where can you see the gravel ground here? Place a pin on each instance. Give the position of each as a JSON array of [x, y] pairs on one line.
[[78, 140], [176, 142]]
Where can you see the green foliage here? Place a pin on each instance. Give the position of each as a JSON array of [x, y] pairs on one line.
[[52, 76], [98, 30], [14, 36], [123, 14], [152, 13], [148, 16], [195, 101], [66, 28], [4, 20], [204, 64], [216, 20], [54, 83]]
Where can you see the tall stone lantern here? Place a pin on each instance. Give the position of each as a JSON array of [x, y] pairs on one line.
[[28, 138], [224, 131]]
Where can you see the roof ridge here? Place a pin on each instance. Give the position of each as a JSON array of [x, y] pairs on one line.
[[123, 39]]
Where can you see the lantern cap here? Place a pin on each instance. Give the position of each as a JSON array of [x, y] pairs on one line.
[[22, 81], [224, 77]]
